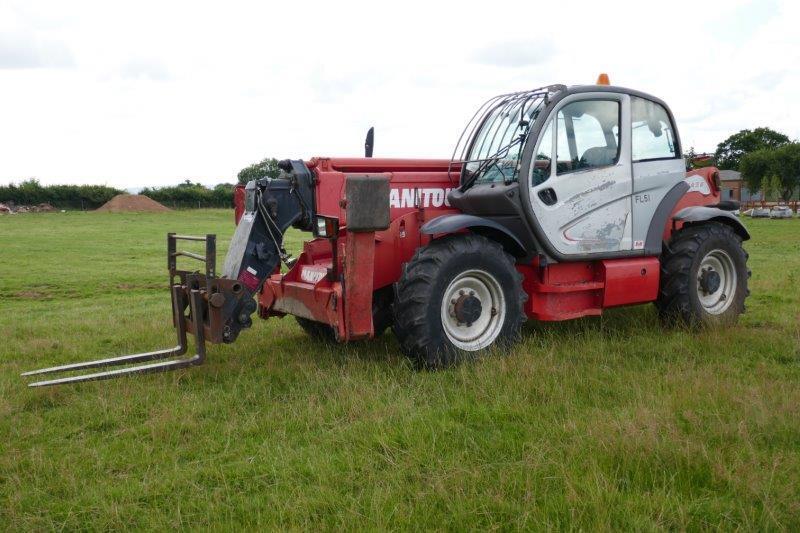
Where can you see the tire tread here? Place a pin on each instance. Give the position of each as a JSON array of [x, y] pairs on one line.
[[674, 301], [413, 289]]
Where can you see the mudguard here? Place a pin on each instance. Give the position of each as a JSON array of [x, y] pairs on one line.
[[698, 213], [458, 222]]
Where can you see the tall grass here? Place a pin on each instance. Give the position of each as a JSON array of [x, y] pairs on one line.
[[609, 422]]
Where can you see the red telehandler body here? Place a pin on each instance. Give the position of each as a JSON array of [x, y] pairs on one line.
[[558, 203]]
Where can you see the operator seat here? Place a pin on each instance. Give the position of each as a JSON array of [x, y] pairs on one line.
[[598, 156]]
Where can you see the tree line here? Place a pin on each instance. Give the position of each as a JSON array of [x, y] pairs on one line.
[[768, 160], [31, 192], [191, 195], [188, 194], [183, 195]]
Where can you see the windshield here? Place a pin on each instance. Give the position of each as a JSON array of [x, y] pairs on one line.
[[496, 147]]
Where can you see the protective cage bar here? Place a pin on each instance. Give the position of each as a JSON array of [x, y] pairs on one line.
[[183, 297], [494, 109]]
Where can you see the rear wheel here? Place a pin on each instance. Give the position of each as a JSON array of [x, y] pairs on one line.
[[703, 276], [457, 296]]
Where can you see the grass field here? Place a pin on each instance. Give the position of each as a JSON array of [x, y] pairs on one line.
[[607, 422]]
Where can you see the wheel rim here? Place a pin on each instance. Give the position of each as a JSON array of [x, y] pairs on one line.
[[472, 325], [716, 282]]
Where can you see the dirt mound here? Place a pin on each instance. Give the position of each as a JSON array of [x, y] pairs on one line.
[[132, 202]]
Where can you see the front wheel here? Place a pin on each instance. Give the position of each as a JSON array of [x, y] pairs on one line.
[[457, 296], [703, 276]]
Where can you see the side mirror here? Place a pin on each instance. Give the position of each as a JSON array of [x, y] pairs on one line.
[[369, 142]]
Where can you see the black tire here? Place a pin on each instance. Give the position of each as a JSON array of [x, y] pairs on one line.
[[421, 290], [317, 330], [382, 309], [688, 288]]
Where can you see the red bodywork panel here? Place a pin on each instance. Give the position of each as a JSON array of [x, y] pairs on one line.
[[238, 202], [340, 292], [696, 196]]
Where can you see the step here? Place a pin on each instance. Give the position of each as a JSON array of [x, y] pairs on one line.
[[577, 286]]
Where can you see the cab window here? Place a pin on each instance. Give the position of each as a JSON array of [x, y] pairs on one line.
[[588, 135], [542, 162], [652, 136]]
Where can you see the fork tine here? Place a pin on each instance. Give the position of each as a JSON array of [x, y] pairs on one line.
[[111, 361], [178, 305], [161, 366]]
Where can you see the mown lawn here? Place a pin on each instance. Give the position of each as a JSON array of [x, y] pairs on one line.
[[609, 422]]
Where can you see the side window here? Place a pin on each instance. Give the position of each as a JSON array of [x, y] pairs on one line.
[[544, 156], [588, 135], [652, 136]]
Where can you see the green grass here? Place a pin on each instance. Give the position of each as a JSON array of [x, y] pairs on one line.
[[608, 422]]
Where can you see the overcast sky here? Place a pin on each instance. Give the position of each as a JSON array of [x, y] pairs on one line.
[[151, 93]]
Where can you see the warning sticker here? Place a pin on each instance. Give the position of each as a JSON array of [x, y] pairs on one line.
[[698, 184], [249, 280], [311, 274]]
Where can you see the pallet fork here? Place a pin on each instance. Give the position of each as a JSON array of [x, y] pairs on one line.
[[190, 291]]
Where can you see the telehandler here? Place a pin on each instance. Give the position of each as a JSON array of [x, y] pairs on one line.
[[558, 202]]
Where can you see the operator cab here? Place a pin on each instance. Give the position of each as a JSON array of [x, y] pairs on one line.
[[573, 172]]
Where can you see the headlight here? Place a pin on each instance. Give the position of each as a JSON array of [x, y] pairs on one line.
[[321, 229], [327, 227]]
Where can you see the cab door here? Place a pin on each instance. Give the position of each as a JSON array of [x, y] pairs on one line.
[[580, 177], [658, 165]]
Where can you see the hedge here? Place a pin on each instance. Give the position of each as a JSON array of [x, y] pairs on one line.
[[31, 192], [192, 195]]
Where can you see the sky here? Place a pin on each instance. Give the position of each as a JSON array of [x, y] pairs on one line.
[[144, 93]]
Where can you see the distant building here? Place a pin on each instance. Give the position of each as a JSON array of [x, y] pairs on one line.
[[734, 188]]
